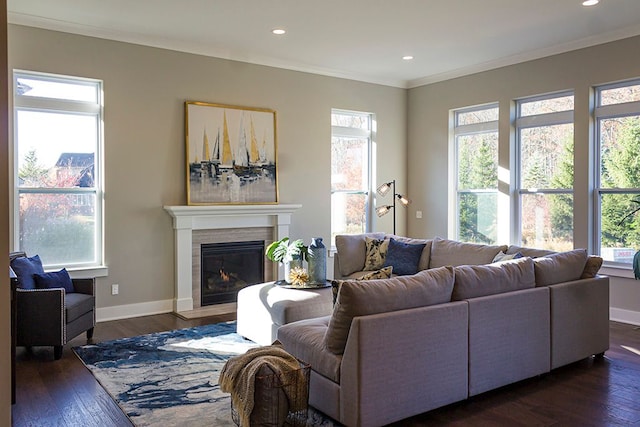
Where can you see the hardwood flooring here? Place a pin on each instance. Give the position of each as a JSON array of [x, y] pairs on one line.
[[591, 392]]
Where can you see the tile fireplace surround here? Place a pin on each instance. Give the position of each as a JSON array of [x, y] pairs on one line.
[[197, 224]]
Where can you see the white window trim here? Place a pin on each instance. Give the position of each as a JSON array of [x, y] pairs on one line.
[[539, 120], [98, 269]]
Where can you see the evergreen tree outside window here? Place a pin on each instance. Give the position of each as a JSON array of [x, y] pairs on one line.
[[617, 121], [544, 144], [352, 135], [476, 166], [57, 169]]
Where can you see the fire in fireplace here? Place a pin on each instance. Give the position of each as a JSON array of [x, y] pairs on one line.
[[228, 267]]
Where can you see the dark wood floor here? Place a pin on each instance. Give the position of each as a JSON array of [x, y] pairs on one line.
[[588, 393]]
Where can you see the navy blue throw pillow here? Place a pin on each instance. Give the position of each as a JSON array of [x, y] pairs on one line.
[[25, 268], [403, 257], [56, 279]]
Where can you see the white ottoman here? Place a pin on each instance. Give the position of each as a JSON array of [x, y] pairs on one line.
[[263, 308]]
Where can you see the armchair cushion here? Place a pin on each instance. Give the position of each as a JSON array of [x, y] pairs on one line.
[[56, 279], [77, 304], [25, 268]]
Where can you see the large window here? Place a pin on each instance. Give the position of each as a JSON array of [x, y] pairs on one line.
[[617, 118], [544, 143], [57, 169], [476, 165], [352, 134]]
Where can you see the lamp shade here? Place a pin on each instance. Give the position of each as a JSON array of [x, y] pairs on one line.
[[403, 200], [383, 210], [383, 189]]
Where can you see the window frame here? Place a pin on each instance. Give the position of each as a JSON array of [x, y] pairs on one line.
[[369, 135], [604, 112], [527, 122], [97, 267], [463, 130]]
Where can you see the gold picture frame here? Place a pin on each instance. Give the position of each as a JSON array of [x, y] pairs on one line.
[[231, 154]]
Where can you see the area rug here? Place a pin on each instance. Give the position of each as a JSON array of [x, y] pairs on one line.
[[171, 378]]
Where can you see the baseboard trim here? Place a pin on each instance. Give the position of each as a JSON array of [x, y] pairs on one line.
[[624, 316], [127, 311]]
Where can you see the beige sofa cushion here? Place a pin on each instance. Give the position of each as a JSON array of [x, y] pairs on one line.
[[560, 267], [480, 280], [361, 298], [351, 251], [450, 252]]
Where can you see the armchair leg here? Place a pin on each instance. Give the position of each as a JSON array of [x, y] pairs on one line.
[[89, 333], [57, 352]]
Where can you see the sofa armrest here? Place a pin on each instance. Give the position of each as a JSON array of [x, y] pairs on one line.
[[421, 354], [579, 319], [40, 317], [85, 286]]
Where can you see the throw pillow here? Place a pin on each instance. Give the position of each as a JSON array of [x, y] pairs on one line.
[[365, 297], [473, 281], [504, 257], [592, 267], [403, 257], [383, 273], [560, 267], [376, 252], [56, 279], [25, 268]]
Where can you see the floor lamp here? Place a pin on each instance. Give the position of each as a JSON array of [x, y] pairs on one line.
[[383, 210]]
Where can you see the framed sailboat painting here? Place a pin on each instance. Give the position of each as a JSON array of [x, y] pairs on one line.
[[231, 154]]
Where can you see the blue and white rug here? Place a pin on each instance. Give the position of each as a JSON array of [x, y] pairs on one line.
[[171, 378]]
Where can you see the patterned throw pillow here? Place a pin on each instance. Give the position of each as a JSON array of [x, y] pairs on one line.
[[376, 252], [383, 273], [505, 257]]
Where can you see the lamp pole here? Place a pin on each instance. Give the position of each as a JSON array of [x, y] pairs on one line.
[[393, 187]]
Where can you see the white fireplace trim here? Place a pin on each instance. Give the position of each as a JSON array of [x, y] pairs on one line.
[[186, 219]]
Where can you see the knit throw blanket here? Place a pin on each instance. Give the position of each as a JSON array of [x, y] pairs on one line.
[[238, 378]]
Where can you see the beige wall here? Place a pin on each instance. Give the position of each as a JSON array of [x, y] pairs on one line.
[[145, 89], [5, 321], [429, 107]]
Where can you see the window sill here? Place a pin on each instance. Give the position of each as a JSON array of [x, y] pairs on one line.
[[80, 273], [617, 271]]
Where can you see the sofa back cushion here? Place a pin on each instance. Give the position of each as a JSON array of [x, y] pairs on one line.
[[479, 280], [361, 298], [351, 251], [530, 252], [450, 252], [560, 267]]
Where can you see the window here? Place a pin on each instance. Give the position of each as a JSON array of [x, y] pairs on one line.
[[617, 121], [57, 172], [476, 166], [544, 144], [352, 134]]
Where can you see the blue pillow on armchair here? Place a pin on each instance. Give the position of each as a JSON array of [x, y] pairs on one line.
[[25, 268], [56, 279], [403, 257]]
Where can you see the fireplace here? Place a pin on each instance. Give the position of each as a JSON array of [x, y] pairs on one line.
[[228, 267]]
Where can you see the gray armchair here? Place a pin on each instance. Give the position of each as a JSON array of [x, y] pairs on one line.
[[51, 317]]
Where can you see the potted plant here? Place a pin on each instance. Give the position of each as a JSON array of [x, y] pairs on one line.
[[289, 253], [636, 257]]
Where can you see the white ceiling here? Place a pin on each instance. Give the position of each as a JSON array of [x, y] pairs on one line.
[[356, 39]]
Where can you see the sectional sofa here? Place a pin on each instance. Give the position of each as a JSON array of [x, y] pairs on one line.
[[461, 325]]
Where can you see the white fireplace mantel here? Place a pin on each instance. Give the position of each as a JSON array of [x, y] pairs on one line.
[[186, 219]]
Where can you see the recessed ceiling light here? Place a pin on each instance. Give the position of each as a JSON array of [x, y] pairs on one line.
[[278, 31], [590, 2], [407, 57]]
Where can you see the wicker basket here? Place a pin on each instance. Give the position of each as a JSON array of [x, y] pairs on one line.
[[274, 399]]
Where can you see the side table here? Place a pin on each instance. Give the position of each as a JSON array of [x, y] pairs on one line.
[[263, 308]]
